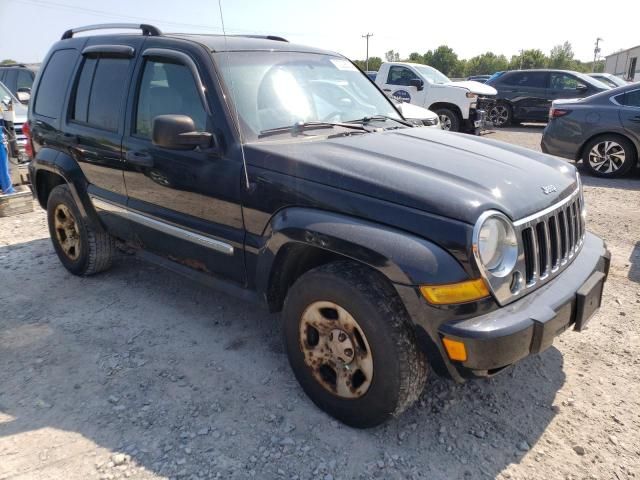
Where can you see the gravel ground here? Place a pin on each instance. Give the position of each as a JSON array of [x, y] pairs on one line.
[[136, 373]]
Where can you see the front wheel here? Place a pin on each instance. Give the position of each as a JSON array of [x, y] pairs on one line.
[[609, 156], [501, 115], [350, 344], [449, 120]]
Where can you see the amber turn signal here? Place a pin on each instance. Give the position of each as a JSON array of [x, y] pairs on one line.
[[455, 292], [455, 349]]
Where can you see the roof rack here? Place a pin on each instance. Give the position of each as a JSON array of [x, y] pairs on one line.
[[148, 30], [264, 37], [13, 65]]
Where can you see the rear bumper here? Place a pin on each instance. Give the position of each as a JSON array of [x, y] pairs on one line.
[[555, 141], [528, 326]]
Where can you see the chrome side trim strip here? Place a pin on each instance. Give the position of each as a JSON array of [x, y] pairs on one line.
[[161, 226]]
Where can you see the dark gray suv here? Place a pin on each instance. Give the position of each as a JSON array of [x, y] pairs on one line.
[[526, 95]]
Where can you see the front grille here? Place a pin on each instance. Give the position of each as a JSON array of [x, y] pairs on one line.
[[550, 239], [485, 102]]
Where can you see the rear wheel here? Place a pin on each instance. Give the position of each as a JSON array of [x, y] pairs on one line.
[[81, 249], [350, 344], [449, 120], [501, 115], [609, 156]]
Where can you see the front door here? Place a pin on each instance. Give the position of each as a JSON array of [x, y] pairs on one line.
[[185, 204], [398, 85]]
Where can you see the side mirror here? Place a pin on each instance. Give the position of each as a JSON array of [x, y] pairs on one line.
[[416, 82], [178, 132], [582, 88], [24, 96]]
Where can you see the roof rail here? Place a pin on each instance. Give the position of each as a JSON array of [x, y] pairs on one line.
[[264, 37], [148, 30], [13, 65]]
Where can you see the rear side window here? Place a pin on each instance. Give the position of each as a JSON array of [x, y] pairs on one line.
[[54, 82], [629, 99], [100, 91], [24, 80], [526, 79]]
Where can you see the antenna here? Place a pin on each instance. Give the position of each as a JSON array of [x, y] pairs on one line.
[[235, 108]]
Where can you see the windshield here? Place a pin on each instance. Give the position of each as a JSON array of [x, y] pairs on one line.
[[279, 89], [5, 94], [431, 74]]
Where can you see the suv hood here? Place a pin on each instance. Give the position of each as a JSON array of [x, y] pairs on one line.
[[448, 174], [474, 87]]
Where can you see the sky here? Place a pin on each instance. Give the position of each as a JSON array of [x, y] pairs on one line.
[[29, 27]]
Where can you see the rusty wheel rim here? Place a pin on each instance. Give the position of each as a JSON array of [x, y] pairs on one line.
[[336, 350], [67, 232]]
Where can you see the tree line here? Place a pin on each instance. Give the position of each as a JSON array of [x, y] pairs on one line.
[[446, 60]]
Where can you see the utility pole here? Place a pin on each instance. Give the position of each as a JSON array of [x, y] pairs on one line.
[[367, 35], [596, 51], [521, 58]]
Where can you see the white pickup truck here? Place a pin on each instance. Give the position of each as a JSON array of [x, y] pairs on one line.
[[461, 106]]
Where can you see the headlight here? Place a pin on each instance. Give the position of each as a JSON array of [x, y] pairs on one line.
[[496, 244]]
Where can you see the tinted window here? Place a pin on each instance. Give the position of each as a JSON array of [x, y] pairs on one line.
[[401, 76], [562, 81], [525, 79], [24, 80], [100, 92], [630, 99], [167, 88], [53, 83]]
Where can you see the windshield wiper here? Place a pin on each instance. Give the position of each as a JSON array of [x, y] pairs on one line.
[[379, 118], [302, 126]]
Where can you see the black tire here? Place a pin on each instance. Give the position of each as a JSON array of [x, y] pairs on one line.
[[95, 251], [501, 115], [617, 145], [399, 368], [449, 119]]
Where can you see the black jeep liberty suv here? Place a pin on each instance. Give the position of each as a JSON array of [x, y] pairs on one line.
[[280, 173]]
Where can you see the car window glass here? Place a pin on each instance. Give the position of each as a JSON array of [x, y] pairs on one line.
[[100, 92], [57, 73], [632, 99], [526, 79], [167, 88], [24, 80], [401, 76], [562, 81]]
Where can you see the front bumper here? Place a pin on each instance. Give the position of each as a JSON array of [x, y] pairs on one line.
[[527, 326]]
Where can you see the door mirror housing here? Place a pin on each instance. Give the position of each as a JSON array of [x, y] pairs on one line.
[[24, 95], [416, 82], [582, 88], [178, 132]]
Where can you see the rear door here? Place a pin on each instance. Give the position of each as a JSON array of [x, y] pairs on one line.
[[630, 112], [185, 204], [95, 124], [528, 93]]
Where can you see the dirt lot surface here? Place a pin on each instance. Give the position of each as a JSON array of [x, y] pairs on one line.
[[137, 373]]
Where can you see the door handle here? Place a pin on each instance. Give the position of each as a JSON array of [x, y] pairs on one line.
[[386, 89], [141, 159], [636, 119]]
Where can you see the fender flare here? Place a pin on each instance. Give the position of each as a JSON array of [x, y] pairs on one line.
[[63, 165], [402, 257]]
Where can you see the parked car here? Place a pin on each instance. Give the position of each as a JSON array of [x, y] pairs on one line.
[[417, 115], [479, 78], [18, 78], [461, 106], [20, 110], [603, 131], [609, 80], [389, 249], [526, 95], [371, 74]]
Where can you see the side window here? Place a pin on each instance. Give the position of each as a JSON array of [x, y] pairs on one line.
[[629, 99], [167, 88], [512, 79], [527, 79], [400, 76], [100, 91], [53, 83], [24, 80], [562, 81]]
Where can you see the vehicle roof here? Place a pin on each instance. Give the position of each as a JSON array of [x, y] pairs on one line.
[[545, 70], [236, 43]]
